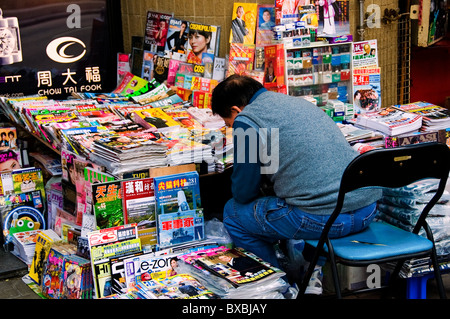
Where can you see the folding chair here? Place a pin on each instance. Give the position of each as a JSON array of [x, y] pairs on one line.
[[382, 242]]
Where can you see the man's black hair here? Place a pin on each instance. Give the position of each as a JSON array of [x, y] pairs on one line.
[[236, 90]]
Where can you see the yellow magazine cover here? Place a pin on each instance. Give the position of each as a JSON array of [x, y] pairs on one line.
[[156, 118], [243, 23], [44, 242]]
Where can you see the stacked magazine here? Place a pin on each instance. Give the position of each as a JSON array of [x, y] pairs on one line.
[[434, 117], [120, 153], [234, 273], [25, 245], [390, 121]]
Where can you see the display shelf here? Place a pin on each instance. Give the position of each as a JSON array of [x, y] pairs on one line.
[[321, 70]]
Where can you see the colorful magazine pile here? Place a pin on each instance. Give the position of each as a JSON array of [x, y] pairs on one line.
[[247, 275], [181, 286], [434, 117]]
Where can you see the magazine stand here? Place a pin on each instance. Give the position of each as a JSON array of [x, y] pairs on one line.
[[381, 242]]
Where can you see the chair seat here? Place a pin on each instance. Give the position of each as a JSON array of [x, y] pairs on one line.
[[378, 241]]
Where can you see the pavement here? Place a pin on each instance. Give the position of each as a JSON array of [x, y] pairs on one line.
[[13, 269]]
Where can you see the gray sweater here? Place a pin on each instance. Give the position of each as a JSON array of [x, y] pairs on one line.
[[313, 153]]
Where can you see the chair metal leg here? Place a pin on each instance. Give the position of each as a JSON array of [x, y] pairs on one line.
[[436, 267], [334, 272]]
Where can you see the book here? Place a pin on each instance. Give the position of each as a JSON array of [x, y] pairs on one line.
[[156, 28], [139, 206], [241, 58], [390, 121], [203, 42], [109, 243], [107, 204], [91, 176], [264, 24], [353, 133], [156, 118], [274, 73], [243, 23], [179, 212]]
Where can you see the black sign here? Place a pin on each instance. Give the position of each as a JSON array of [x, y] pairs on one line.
[[57, 48]]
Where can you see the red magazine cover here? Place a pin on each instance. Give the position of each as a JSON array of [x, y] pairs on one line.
[[274, 77], [241, 58]]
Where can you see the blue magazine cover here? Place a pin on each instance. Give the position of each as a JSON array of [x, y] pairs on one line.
[[179, 210]]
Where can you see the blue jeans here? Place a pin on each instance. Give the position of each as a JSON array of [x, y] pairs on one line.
[[257, 226]]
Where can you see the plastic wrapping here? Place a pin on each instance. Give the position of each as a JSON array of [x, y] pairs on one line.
[[216, 231]]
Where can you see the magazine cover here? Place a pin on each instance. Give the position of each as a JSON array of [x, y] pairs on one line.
[[286, 11], [156, 29], [243, 23], [107, 204], [44, 242], [238, 266], [241, 58], [179, 211], [180, 286], [151, 266], [366, 90], [333, 18], [118, 278], [265, 23], [365, 54], [160, 68], [132, 85], [203, 43], [69, 177], [139, 207], [177, 39], [109, 243], [156, 118], [147, 65], [51, 278], [274, 73]]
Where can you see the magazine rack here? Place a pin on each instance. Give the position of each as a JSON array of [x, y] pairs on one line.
[[382, 242]]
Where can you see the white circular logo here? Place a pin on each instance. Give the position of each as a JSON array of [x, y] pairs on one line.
[[56, 50]]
